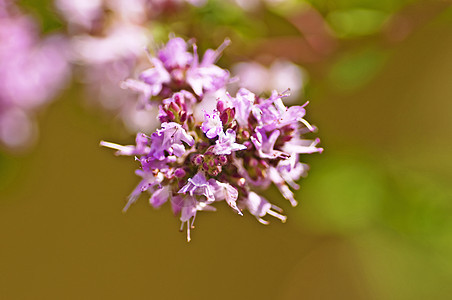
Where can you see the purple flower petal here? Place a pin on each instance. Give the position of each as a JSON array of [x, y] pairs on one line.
[[259, 207], [198, 185], [169, 139], [175, 55], [160, 196], [264, 145], [212, 125], [301, 146], [243, 103], [225, 191], [226, 144], [207, 77]]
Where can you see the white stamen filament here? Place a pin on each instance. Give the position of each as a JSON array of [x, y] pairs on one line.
[[126, 207], [314, 143], [192, 222], [188, 232], [278, 209], [293, 202], [221, 48], [311, 129], [262, 221], [277, 215], [286, 93], [181, 226], [115, 146]]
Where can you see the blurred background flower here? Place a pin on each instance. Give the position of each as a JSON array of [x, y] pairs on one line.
[[374, 219], [279, 76], [32, 71]]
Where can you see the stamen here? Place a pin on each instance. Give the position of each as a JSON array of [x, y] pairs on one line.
[[278, 209], [131, 200], [293, 202], [314, 142], [181, 226], [284, 94], [221, 48], [262, 221], [234, 79], [305, 104], [311, 129], [114, 146], [277, 215], [188, 233], [126, 207], [195, 57], [192, 222]]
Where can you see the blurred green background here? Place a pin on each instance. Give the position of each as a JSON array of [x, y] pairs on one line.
[[374, 220]]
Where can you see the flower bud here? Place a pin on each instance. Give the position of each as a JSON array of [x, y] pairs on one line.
[[220, 106], [179, 173], [222, 159], [197, 159]]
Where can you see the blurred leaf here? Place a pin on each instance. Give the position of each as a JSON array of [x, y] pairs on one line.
[[353, 70], [160, 33], [278, 25], [44, 12], [356, 22], [420, 208], [217, 14], [343, 195], [389, 6], [288, 7]]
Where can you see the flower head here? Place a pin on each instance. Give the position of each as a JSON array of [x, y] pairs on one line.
[[226, 143], [212, 126], [198, 185], [168, 141], [243, 145], [174, 54], [175, 68]]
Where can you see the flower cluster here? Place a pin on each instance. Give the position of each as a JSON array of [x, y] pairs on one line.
[[176, 69], [238, 149]]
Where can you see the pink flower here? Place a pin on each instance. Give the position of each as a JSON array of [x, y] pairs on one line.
[[226, 143], [241, 146], [212, 125], [32, 72], [175, 68], [259, 207]]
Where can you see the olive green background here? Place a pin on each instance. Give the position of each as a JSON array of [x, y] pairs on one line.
[[374, 219]]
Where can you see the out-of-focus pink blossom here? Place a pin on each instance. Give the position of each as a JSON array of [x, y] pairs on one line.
[[81, 13], [281, 74], [175, 68], [32, 71], [108, 42]]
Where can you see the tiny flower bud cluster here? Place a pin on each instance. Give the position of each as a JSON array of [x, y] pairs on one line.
[[241, 147]]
